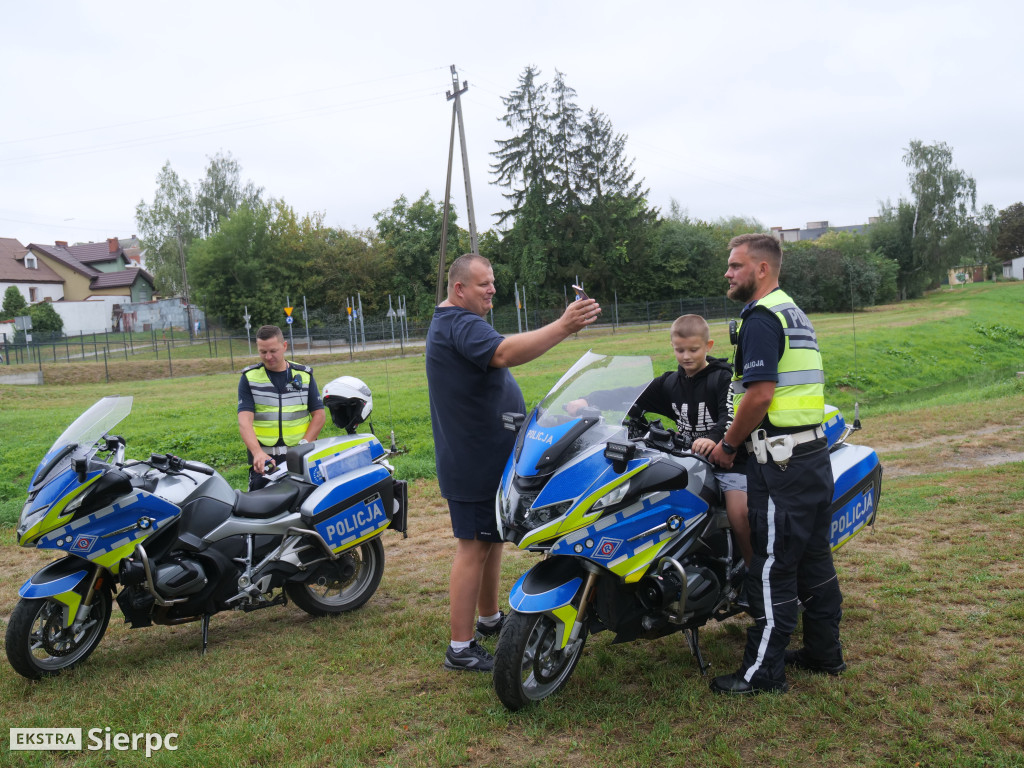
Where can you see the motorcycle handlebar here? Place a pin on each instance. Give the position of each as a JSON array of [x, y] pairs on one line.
[[167, 461]]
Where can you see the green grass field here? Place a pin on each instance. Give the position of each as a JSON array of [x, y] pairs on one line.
[[932, 613]]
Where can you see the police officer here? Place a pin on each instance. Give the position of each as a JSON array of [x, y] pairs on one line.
[[278, 404], [778, 392]]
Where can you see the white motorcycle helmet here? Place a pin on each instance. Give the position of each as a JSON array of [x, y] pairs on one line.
[[350, 402]]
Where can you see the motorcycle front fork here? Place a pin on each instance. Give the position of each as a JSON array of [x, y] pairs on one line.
[[581, 614], [85, 608]]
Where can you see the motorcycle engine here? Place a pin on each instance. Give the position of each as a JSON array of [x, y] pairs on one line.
[[178, 578]]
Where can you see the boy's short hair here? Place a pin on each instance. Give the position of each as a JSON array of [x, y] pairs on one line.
[[691, 325]]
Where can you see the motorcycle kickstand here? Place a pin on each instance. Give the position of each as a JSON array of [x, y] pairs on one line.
[[693, 640], [206, 632]]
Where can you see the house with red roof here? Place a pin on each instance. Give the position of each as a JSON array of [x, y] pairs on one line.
[[28, 273], [93, 270]]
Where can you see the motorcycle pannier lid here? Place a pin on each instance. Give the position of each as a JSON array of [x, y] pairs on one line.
[[330, 457]]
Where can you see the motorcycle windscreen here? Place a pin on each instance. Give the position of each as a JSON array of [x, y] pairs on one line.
[[585, 407], [105, 414]]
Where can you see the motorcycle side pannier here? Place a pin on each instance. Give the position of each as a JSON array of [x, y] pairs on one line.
[[355, 498], [858, 484]]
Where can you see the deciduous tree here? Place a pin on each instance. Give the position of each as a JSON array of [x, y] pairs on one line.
[[944, 230], [182, 213], [1010, 236]]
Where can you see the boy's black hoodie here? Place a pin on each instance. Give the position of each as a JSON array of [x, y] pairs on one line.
[[701, 405]]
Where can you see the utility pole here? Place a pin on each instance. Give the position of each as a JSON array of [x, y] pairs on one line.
[[474, 244], [442, 259], [184, 278]]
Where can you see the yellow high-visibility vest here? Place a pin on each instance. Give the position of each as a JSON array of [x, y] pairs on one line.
[[279, 415], [800, 391]]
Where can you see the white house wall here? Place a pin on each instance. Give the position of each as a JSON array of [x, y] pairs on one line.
[[93, 316], [44, 291]]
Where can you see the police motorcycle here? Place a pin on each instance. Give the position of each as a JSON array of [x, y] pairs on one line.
[[632, 526], [177, 544]]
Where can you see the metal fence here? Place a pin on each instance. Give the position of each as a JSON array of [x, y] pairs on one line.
[[348, 337]]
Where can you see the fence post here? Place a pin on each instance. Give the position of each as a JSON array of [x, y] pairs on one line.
[[106, 370], [170, 368], [231, 354]]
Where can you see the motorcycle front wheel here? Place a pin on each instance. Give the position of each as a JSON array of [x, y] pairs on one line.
[[341, 585], [38, 643], [528, 664]]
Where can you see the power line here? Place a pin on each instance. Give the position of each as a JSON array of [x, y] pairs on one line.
[[322, 111], [192, 113]]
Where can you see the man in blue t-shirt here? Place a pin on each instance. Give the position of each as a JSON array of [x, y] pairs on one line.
[[470, 387]]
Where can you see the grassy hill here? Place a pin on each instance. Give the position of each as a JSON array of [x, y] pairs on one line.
[[932, 611]]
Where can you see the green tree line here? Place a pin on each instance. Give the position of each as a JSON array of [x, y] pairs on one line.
[[575, 211]]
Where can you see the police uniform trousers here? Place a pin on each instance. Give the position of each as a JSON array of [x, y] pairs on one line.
[[789, 526]]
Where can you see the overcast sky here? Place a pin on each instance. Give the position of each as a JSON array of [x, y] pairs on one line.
[[788, 112]]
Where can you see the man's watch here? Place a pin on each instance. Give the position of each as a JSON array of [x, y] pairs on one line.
[[728, 448]]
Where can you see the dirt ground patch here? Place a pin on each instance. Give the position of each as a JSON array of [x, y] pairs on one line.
[[948, 438]]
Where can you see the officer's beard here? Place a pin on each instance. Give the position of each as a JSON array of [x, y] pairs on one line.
[[742, 292]]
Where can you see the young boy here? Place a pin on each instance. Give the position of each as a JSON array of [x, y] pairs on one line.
[[698, 397]]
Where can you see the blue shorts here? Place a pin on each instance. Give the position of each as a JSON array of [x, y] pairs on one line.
[[729, 480], [474, 520]]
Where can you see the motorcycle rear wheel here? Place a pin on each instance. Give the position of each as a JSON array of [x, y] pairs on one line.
[[528, 664], [341, 585], [39, 645]]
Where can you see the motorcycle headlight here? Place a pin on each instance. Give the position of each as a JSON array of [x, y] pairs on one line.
[[537, 517], [30, 519], [613, 497]]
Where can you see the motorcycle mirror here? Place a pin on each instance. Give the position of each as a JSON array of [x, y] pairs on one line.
[[80, 465], [512, 421]]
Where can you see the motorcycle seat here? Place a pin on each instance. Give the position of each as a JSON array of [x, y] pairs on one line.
[[266, 502]]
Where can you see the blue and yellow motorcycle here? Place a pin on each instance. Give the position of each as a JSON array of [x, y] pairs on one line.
[[176, 543], [631, 524]]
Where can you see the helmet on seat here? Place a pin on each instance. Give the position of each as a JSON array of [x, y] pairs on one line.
[[349, 401]]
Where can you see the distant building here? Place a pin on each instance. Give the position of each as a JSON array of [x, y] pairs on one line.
[[967, 273], [1014, 268], [816, 229], [24, 270], [92, 270]]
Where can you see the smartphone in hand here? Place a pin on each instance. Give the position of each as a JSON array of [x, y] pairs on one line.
[[580, 293]]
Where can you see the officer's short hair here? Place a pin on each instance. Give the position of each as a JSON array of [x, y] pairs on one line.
[[267, 332], [760, 244]]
